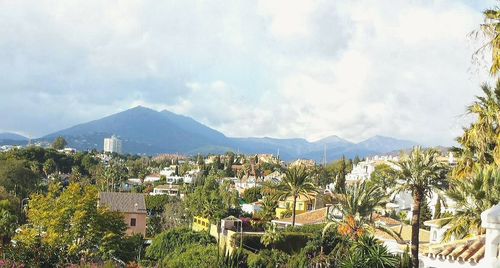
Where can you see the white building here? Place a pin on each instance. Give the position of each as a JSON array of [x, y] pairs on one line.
[[112, 145], [363, 170]]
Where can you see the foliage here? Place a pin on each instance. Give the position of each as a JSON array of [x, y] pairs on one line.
[[490, 30], [472, 196], [383, 176], [271, 236], [295, 183], [174, 215], [268, 212], [361, 200], [59, 143], [479, 142], [176, 239], [16, 176], [252, 194], [193, 255], [156, 203], [268, 259], [421, 173], [68, 224]]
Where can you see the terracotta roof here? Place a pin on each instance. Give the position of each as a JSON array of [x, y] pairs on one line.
[[311, 217], [386, 220], [405, 234], [465, 250], [123, 202]]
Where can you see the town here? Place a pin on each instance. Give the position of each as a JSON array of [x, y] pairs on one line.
[[250, 134]]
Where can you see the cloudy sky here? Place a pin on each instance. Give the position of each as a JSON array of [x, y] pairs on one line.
[[281, 68]]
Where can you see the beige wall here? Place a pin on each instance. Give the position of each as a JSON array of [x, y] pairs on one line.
[[140, 223]]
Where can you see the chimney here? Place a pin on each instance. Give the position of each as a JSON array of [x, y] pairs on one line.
[[490, 220]]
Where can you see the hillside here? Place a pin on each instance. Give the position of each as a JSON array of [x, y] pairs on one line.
[[146, 131]]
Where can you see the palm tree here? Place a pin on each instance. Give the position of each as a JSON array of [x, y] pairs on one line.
[[472, 196], [490, 30], [271, 236], [295, 183], [420, 173], [361, 200], [479, 141]]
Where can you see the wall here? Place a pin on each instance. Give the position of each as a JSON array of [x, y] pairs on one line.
[[140, 223]]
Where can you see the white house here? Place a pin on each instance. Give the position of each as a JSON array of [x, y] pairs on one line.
[[166, 189], [478, 251], [152, 178]]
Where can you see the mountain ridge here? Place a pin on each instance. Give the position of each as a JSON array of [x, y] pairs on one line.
[[150, 132]]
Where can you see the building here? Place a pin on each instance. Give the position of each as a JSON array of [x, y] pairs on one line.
[[303, 204], [318, 216], [167, 189], [475, 251], [112, 145], [363, 170], [132, 206]]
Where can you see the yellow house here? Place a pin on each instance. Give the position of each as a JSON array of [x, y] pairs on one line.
[[304, 204], [200, 224]]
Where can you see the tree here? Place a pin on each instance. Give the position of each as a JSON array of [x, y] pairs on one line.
[[8, 224], [383, 176], [421, 173], [17, 177], [479, 144], [49, 167], [361, 200], [295, 183], [271, 236], [178, 238], [73, 227], [472, 196], [253, 194], [342, 173], [59, 143], [490, 30]]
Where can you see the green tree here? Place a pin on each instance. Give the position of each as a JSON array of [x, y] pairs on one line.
[[8, 224], [177, 238], [253, 194], [421, 173], [271, 236], [490, 30], [361, 200], [295, 183], [479, 142], [472, 196], [17, 177], [74, 227], [341, 176], [59, 143], [49, 167]]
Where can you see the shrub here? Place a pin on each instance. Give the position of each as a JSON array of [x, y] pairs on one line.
[[176, 239]]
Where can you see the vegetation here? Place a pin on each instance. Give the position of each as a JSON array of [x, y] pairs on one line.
[[421, 173], [295, 183]]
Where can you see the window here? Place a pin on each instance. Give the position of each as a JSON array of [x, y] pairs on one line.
[[132, 222]]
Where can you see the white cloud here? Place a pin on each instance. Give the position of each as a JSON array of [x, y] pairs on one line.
[[267, 68]]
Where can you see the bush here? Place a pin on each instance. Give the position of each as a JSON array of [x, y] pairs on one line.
[[194, 255], [268, 259], [291, 243], [176, 239], [253, 194]]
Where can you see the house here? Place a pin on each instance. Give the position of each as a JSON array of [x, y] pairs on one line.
[[438, 229], [317, 216], [251, 208], [152, 178], [303, 204], [476, 251], [132, 206], [166, 189]]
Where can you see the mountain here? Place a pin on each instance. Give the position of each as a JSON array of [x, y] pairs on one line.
[[12, 136], [385, 144], [146, 131]]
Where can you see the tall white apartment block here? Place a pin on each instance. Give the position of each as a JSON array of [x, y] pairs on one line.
[[113, 145]]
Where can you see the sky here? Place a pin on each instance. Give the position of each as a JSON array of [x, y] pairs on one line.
[[276, 68]]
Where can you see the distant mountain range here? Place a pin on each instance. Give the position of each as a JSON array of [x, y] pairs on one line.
[[146, 131]]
